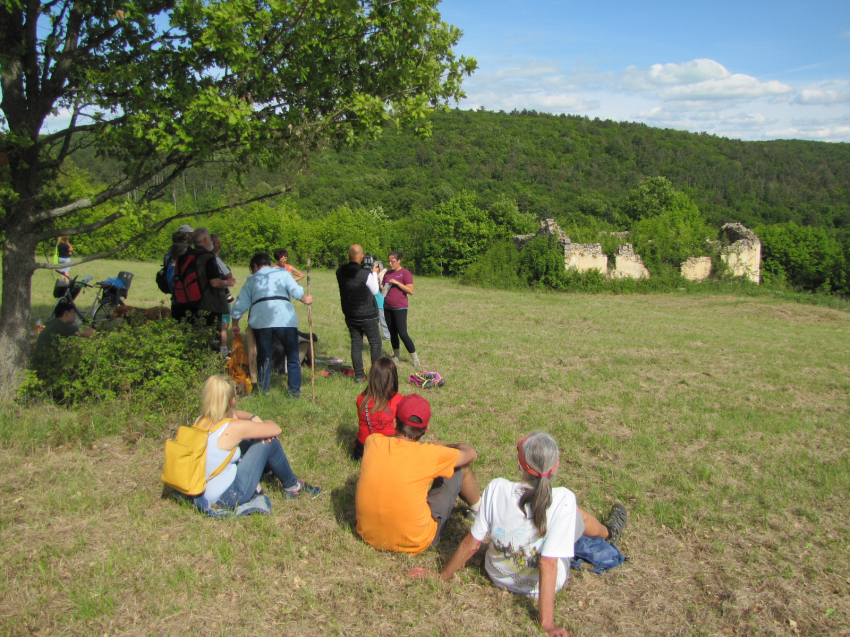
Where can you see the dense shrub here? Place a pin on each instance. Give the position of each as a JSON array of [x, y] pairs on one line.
[[805, 257], [154, 365], [498, 268]]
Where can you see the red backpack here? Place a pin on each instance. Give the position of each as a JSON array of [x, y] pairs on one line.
[[187, 283]]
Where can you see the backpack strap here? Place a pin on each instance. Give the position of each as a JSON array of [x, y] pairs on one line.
[[212, 429]]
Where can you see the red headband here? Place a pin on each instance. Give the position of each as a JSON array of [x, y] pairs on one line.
[[524, 464]]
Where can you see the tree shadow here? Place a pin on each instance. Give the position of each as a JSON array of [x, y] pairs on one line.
[[342, 502]]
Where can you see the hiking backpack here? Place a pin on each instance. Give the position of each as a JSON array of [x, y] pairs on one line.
[[162, 280], [185, 468], [187, 282], [426, 380]]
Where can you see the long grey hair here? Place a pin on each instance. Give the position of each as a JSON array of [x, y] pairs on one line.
[[540, 454]]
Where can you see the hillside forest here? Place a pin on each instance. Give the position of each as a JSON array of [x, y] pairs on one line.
[[452, 201]]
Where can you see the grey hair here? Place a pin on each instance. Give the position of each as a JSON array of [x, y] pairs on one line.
[[541, 454], [199, 235], [380, 264]]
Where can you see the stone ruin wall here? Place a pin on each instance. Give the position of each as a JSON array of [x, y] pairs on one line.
[[628, 265], [696, 268], [585, 256], [743, 255]]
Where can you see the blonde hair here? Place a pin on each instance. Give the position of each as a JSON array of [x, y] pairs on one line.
[[219, 392]]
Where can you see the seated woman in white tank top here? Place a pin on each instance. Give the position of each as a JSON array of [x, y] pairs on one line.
[[257, 450]]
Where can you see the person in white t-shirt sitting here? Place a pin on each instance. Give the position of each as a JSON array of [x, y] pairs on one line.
[[532, 529]]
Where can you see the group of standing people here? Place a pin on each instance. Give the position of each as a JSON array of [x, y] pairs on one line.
[[373, 300]]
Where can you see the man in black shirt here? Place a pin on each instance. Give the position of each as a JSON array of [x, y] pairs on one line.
[[357, 290]]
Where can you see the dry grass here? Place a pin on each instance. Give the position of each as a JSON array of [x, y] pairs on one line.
[[720, 421]]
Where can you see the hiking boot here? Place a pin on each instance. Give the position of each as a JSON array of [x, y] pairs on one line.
[[617, 520], [303, 487]]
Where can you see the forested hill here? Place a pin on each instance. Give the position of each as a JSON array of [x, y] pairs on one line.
[[559, 166]]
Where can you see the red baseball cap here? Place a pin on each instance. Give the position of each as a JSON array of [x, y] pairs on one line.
[[414, 405]]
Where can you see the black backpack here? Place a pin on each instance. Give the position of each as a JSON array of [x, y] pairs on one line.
[[162, 280]]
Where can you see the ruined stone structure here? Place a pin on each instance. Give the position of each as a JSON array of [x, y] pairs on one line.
[[548, 228], [696, 268], [743, 255], [628, 265], [585, 256]]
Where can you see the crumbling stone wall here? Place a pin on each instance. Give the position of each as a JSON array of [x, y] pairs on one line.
[[696, 268], [585, 256], [548, 228], [628, 265], [743, 255]]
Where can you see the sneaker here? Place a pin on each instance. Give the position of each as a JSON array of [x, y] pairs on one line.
[[396, 359], [303, 487], [617, 520], [358, 381], [416, 361], [470, 515]]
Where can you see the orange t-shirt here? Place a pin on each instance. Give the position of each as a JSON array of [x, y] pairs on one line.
[[391, 501]]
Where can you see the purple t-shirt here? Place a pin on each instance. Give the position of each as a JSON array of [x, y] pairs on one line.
[[396, 298]]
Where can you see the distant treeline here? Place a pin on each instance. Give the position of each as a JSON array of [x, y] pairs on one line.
[[562, 167]]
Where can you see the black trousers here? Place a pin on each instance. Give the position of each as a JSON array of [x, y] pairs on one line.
[[371, 329], [397, 323]]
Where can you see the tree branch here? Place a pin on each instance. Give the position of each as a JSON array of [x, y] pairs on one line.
[[148, 231]]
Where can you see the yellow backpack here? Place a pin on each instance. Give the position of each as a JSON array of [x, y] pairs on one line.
[[186, 458]]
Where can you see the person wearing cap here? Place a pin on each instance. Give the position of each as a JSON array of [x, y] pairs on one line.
[[183, 235], [407, 489], [532, 528]]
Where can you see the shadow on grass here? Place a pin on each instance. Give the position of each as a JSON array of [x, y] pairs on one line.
[[342, 502], [345, 436]]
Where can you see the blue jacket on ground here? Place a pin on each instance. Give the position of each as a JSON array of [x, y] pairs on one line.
[[274, 285]]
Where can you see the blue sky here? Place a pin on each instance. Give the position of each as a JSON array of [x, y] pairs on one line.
[[749, 69]]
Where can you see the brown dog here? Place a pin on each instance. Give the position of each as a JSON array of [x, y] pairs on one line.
[[158, 313]]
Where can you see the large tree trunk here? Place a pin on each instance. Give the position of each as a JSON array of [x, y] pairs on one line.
[[18, 268]]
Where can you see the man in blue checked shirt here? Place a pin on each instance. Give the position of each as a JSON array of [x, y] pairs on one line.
[[268, 294]]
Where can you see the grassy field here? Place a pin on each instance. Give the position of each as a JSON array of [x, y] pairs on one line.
[[720, 421]]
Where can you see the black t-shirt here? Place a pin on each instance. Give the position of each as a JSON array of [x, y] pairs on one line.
[[64, 250]]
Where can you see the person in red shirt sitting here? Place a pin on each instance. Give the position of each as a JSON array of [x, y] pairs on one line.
[[377, 405]]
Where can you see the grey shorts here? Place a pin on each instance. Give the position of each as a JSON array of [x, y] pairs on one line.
[[442, 498]]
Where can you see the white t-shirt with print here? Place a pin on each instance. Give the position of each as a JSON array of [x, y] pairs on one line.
[[513, 557]]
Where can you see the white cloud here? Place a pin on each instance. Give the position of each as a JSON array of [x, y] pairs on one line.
[[823, 133], [823, 96], [734, 87], [641, 79]]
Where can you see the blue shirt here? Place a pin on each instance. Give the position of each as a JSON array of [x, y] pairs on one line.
[[264, 283]]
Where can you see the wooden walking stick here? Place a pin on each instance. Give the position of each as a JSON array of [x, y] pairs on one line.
[[310, 323]]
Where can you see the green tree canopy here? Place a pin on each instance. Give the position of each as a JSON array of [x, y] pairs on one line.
[[161, 86]]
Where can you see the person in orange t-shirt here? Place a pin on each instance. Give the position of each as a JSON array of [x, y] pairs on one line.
[[407, 489]]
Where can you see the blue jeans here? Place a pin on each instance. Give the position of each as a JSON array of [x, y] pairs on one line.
[[257, 457], [288, 337]]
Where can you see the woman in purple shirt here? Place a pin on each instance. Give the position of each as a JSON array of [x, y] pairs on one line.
[[398, 285]]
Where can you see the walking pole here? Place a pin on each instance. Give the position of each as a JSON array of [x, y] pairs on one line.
[[310, 323]]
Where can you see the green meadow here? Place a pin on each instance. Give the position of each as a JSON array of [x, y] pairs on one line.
[[720, 421]]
